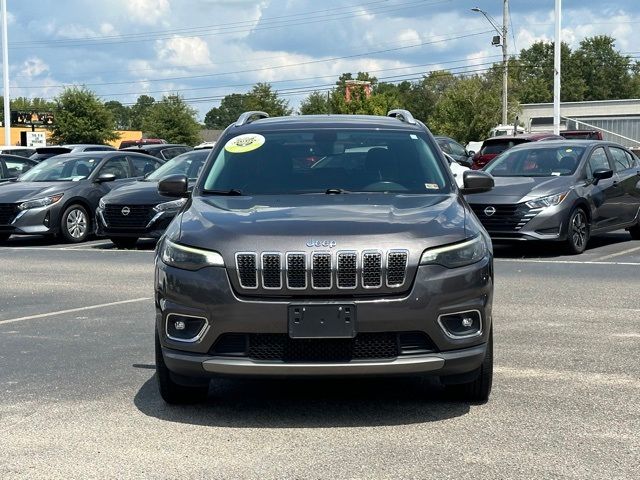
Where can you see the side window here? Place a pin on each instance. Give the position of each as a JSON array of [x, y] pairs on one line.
[[117, 166], [444, 145], [169, 153], [621, 161], [597, 160], [144, 166], [16, 167], [457, 149]]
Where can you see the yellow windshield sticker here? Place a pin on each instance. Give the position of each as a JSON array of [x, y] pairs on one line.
[[244, 143]]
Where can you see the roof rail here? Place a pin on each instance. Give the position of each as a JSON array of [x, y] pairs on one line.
[[402, 115], [247, 117]]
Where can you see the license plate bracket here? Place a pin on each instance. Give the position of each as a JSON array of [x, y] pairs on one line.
[[322, 321]]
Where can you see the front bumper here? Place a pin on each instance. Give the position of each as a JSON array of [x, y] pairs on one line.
[[435, 291], [33, 221]]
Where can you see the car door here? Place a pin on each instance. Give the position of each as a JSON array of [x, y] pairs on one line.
[[628, 176], [118, 166], [605, 195]]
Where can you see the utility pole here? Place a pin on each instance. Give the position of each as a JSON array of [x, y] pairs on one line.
[[5, 72], [557, 50], [502, 36]]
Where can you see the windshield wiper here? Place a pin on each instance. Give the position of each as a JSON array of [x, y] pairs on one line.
[[335, 191], [231, 193]]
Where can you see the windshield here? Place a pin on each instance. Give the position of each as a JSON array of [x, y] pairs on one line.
[[188, 164], [328, 161], [536, 162], [498, 146], [60, 169]]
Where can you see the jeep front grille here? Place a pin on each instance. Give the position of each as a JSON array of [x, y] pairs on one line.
[[344, 270]]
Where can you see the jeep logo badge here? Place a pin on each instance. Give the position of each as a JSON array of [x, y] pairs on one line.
[[125, 211], [322, 243], [489, 211]]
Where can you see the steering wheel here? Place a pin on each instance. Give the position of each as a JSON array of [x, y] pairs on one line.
[[385, 186]]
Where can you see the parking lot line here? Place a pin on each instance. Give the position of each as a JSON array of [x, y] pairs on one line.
[[617, 254], [73, 310], [85, 249], [570, 262]]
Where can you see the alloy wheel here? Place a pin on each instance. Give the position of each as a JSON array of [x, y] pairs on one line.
[[579, 230], [77, 223]]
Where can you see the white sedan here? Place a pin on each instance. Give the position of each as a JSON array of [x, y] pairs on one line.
[[456, 169]]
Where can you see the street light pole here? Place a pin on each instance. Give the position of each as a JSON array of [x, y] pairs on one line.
[[502, 32], [5, 72], [557, 50]]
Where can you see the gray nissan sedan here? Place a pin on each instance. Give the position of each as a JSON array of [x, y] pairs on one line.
[[324, 245], [561, 190], [60, 195]]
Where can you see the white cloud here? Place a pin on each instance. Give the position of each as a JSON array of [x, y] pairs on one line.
[[33, 67], [148, 11], [183, 51]]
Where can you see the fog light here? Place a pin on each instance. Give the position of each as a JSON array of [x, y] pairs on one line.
[[185, 328], [462, 324]]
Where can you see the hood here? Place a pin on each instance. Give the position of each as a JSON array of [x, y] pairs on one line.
[[522, 189], [136, 193], [16, 192], [352, 221]]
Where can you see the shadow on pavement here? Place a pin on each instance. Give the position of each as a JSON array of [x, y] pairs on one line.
[[319, 403]]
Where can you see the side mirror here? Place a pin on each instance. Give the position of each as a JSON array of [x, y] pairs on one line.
[[470, 153], [105, 177], [601, 174], [174, 186], [475, 181]]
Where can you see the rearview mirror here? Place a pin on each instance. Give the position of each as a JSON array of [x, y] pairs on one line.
[[105, 177], [601, 174], [476, 181], [174, 186]]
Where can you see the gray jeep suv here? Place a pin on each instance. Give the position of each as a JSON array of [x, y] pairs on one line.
[[324, 245]]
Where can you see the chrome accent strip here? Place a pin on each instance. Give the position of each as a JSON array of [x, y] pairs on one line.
[[200, 334], [406, 268], [306, 269], [264, 285], [18, 216], [247, 117], [349, 252], [255, 258], [363, 255], [313, 255], [154, 219], [459, 337]]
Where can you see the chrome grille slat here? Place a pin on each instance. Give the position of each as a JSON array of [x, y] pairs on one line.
[[396, 267], [347, 270], [246, 267], [271, 271], [321, 271], [371, 269]]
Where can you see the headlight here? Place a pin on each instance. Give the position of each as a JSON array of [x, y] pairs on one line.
[[168, 206], [550, 201], [40, 202], [101, 204], [188, 258], [456, 255]]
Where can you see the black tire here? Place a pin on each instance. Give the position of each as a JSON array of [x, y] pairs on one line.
[[124, 242], [578, 231], [4, 237], [478, 390], [172, 392], [635, 231], [75, 224]]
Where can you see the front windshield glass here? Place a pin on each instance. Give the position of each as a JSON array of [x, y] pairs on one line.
[[498, 146], [536, 162], [60, 169], [328, 161], [188, 164]]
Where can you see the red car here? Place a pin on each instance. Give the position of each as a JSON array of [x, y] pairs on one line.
[[494, 146], [581, 134]]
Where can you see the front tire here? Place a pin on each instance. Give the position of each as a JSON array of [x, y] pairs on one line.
[[124, 242], [635, 231], [578, 232], [478, 390], [75, 224], [4, 237], [172, 392]]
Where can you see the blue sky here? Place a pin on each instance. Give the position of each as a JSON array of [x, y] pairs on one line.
[[205, 49]]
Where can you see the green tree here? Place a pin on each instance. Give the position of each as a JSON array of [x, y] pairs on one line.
[[80, 117], [121, 114], [263, 98], [606, 72], [231, 106], [315, 104], [140, 110], [173, 120]]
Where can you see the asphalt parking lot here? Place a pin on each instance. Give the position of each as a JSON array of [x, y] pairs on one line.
[[78, 397]]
